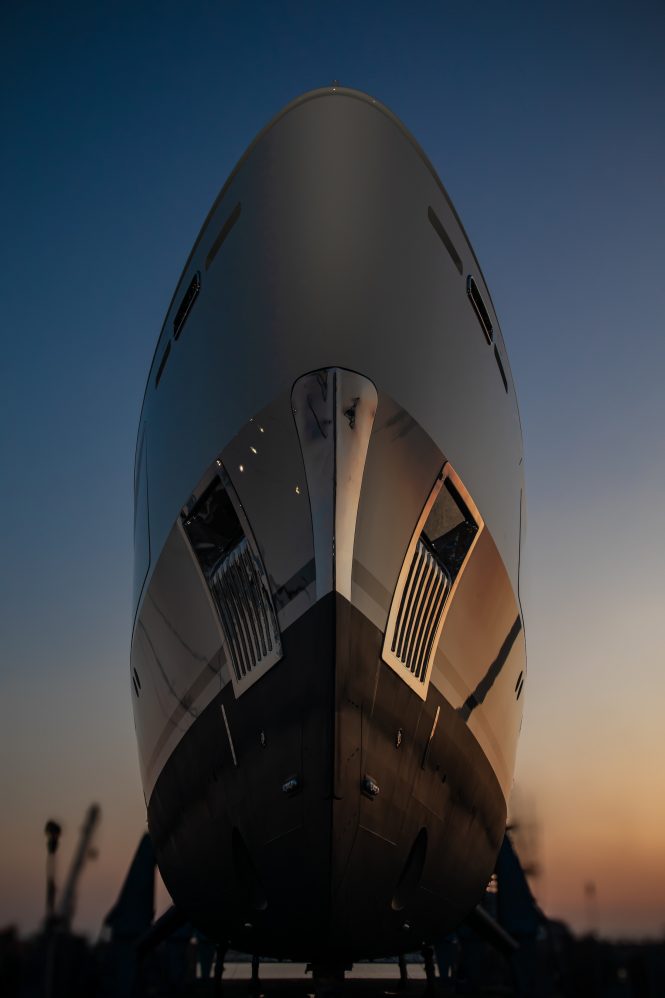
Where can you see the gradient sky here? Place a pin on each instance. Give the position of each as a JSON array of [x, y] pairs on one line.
[[545, 121]]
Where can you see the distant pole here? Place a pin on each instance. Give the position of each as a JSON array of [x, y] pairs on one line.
[[52, 830], [591, 898]]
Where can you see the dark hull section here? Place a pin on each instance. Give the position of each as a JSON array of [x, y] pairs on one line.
[[272, 837]]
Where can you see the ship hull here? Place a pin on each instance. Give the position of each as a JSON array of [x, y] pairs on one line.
[[323, 872], [328, 655]]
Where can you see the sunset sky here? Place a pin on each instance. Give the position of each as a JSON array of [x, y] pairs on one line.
[[546, 123]]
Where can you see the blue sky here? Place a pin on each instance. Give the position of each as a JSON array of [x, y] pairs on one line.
[[120, 123]]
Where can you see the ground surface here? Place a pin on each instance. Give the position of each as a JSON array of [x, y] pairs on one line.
[[364, 981]]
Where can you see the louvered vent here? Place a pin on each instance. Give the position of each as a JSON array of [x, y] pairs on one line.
[[246, 611], [440, 547], [225, 549], [427, 585]]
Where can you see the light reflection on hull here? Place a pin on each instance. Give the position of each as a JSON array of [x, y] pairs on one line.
[[328, 595]]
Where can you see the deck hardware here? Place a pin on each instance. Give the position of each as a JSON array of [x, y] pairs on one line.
[[291, 785], [370, 787]]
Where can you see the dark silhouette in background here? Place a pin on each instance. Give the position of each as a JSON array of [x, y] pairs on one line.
[[507, 947]]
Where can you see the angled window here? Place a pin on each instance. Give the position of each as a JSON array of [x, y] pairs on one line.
[[479, 307], [186, 305], [223, 545], [450, 529], [442, 542]]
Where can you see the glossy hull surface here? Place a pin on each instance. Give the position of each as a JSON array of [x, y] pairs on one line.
[[328, 653], [324, 870]]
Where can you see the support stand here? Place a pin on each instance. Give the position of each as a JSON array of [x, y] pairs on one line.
[[219, 970], [403, 973], [328, 980], [430, 971], [255, 986]]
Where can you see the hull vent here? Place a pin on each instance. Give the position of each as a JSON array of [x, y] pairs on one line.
[[439, 550], [247, 615], [419, 614], [225, 549]]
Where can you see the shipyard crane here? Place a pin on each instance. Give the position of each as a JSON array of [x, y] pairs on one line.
[[84, 852]]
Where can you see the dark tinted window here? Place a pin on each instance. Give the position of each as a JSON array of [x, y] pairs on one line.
[[212, 527], [450, 529], [185, 306], [479, 308]]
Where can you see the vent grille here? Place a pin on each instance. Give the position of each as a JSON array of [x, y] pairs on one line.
[[427, 585], [246, 612], [440, 547]]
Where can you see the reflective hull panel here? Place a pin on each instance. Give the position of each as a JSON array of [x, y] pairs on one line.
[[321, 871], [328, 653]]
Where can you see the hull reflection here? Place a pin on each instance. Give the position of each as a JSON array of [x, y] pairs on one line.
[[328, 653]]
